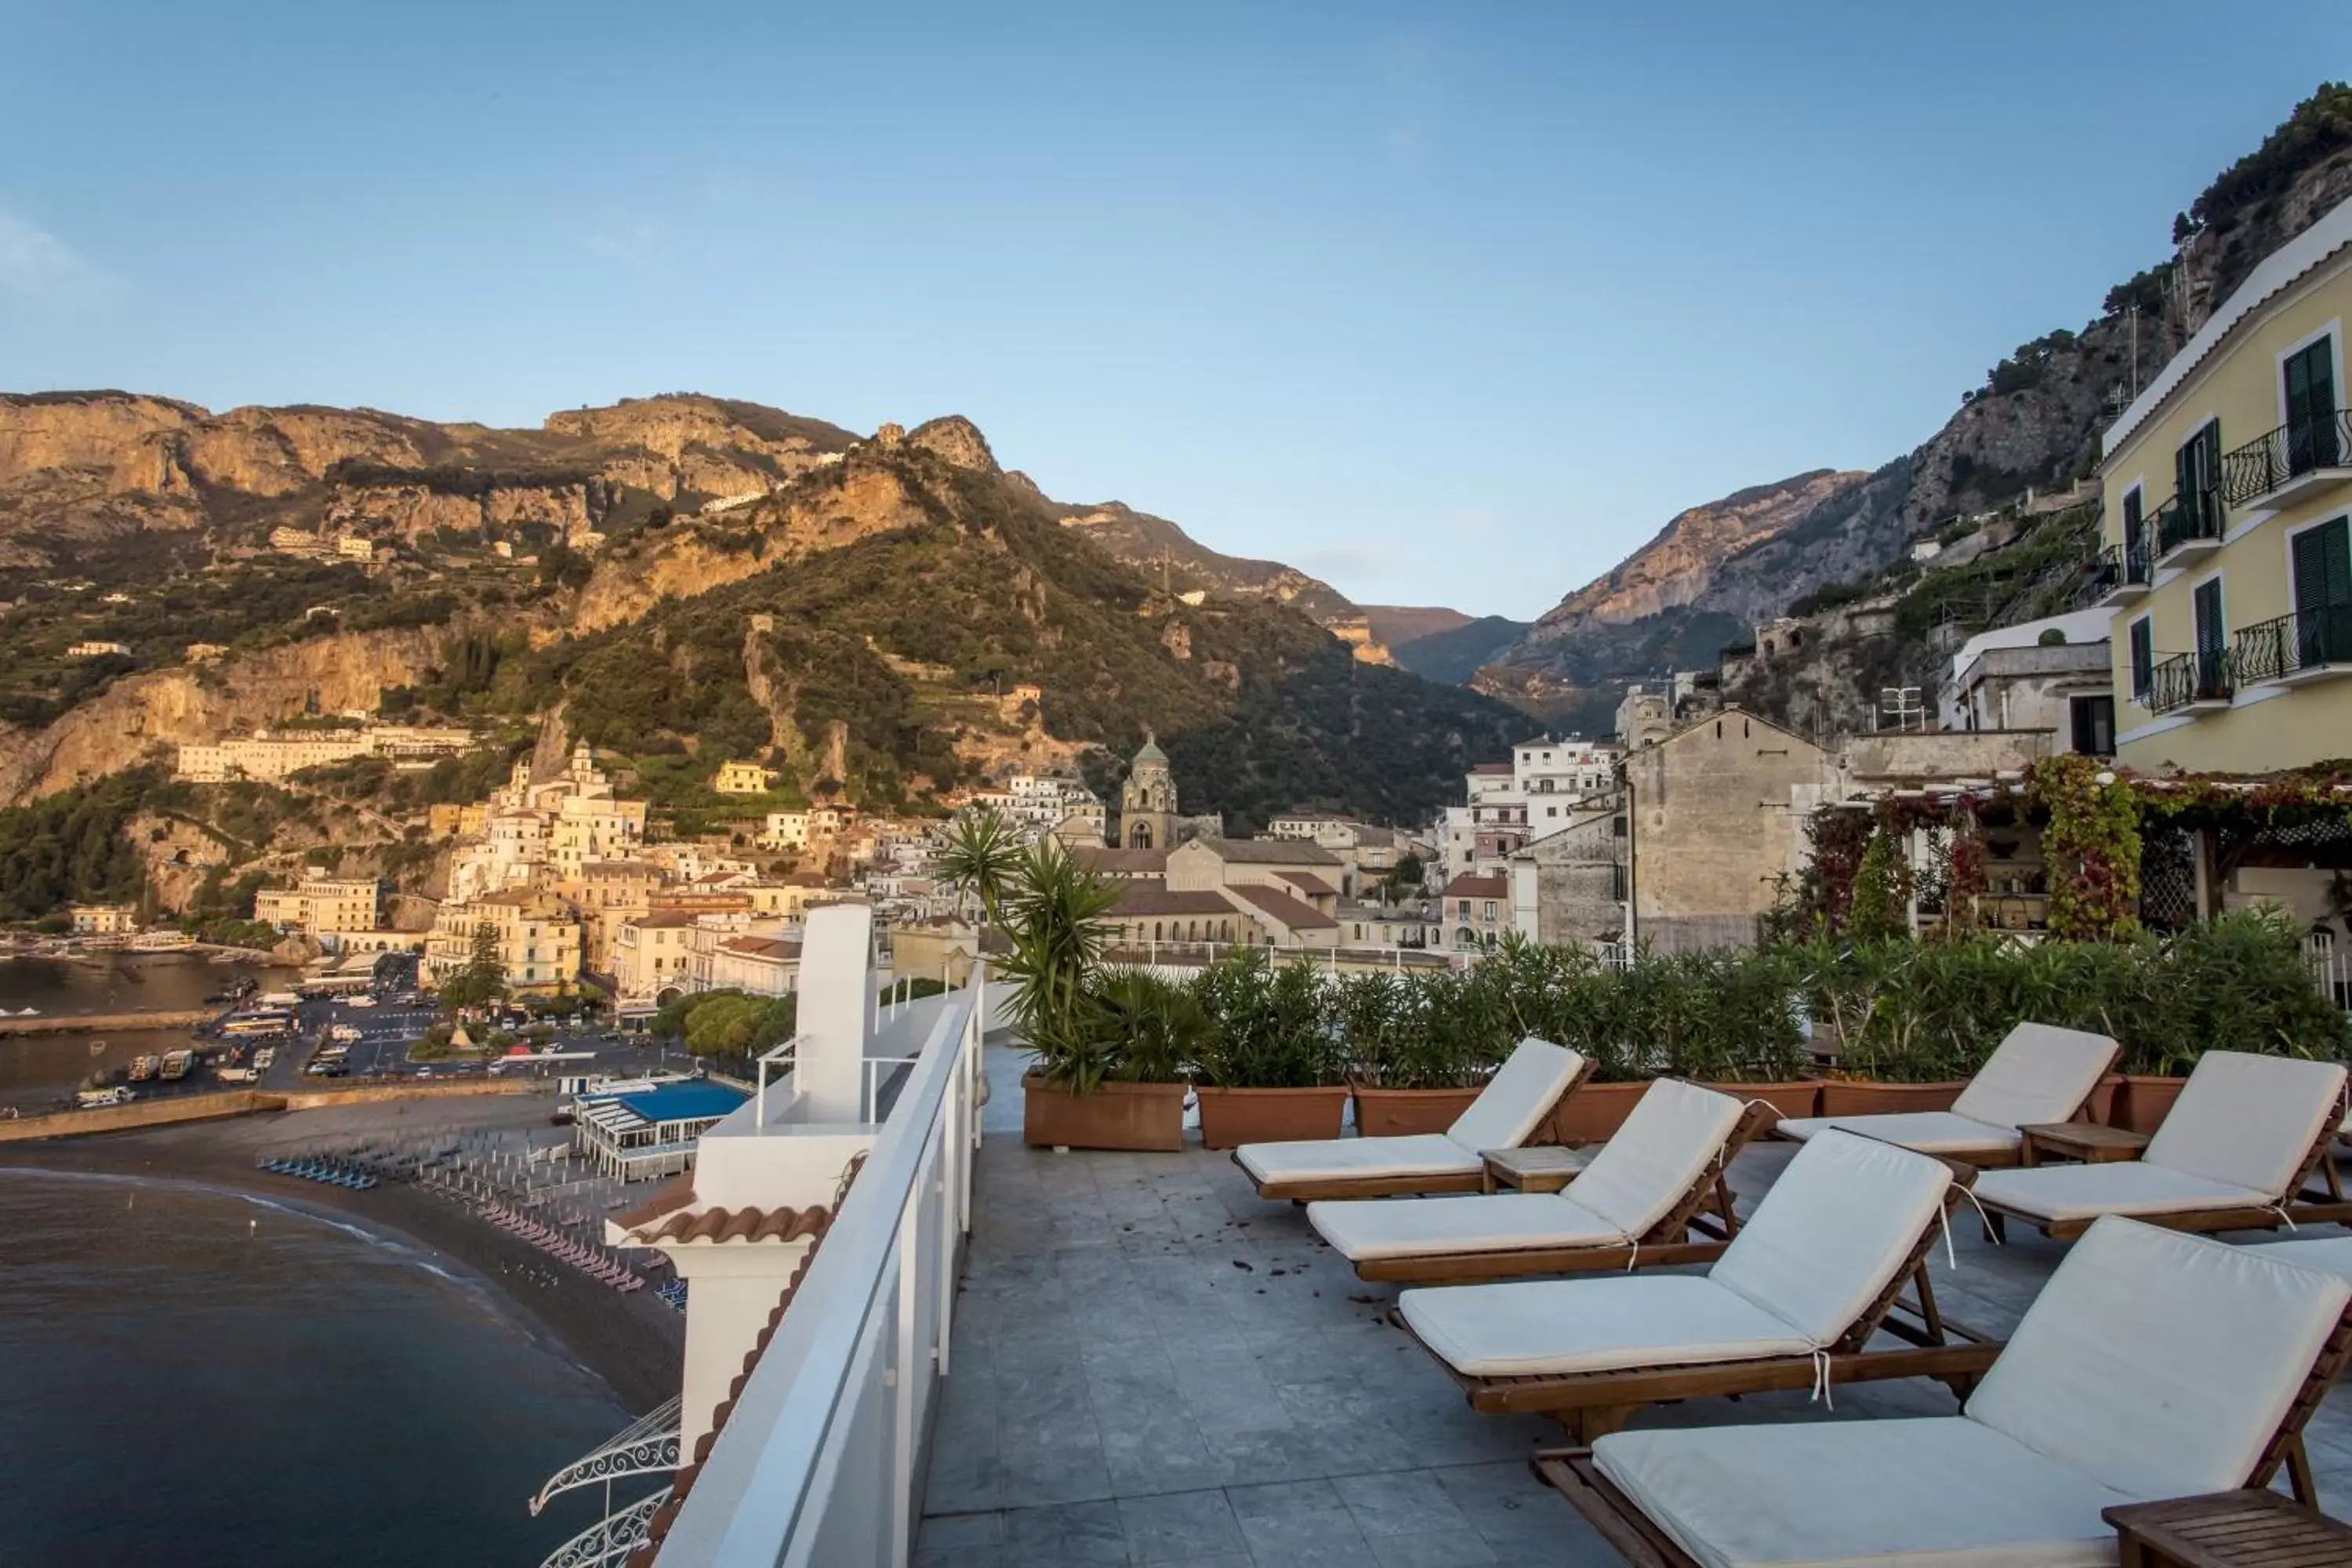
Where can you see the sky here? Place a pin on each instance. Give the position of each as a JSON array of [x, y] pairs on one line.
[[1445, 303]]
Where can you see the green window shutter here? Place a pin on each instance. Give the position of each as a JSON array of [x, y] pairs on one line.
[[2211, 632], [2143, 655]]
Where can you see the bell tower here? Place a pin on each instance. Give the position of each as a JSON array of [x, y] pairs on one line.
[[1147, 802]]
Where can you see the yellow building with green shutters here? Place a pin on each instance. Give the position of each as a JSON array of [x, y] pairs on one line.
[[2228, 484]]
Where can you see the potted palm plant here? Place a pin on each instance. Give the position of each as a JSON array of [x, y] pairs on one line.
[[1084, 1091], [1269, 1066]]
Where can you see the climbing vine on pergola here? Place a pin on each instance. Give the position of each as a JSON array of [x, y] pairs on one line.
[[2092, 819]]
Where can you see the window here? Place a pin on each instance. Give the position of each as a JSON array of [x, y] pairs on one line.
[[2312, 436], [2197, 464], [2323, 594], [2093, 725], [2132, 520], [1490, 910], [2143, 659], [1466, 908], [2213, 636]]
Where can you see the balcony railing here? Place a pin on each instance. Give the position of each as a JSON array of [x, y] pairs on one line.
[[2306, 643], [818, 1463], [2302, 447], [2119, 572], [2187, 522], [2190, 680]]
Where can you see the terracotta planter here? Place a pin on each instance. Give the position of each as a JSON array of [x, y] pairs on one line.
[[2141, 1100], [1401, 1113], [1802, 1098], [1593, 1111], [1233, 1117], [1115, 1116], [1862, 1097]]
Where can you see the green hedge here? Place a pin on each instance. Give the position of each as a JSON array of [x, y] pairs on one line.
[[1895, 1009]]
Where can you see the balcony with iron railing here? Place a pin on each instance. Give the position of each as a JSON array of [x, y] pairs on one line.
[[2119, 575], [2308, 645], [2190, 682], [2186, 528], [2292, 463]]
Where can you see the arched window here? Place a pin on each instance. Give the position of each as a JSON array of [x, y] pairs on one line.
[[1155, 931]]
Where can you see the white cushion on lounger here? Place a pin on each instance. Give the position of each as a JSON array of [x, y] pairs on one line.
[[2248, 1120], [1335, 1159], [2158, 1363], [1939, 1491], [1929, 1132], [2327, 1254], [2125, 1186], [1517, 1098], [1586, 1325], [1672, 1133], [2038, 1073], [1832, 1231], [1363, 1229]]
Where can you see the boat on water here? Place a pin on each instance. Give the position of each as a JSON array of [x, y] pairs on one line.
[[176, 1065], [145, 1068]]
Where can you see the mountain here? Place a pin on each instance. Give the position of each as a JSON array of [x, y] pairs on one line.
[[678, 580], [1397, 625], [1457, 653], [2033, 425]]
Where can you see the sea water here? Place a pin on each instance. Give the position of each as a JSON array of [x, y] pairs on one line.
[[187, 1375]]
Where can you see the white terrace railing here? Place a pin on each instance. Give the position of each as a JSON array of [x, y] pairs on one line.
[[819, 1462]]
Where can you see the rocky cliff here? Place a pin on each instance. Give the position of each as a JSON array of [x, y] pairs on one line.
[[2035, 424]]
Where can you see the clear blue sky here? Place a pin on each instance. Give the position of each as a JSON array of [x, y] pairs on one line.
[[1447, 304]]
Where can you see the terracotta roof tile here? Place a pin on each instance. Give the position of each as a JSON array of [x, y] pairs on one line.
[[658, 1528], [724, 1225], [674, 1193]]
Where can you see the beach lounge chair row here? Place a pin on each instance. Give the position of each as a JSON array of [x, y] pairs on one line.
[[2155, 1364], [558, 1245], [327, 1172]]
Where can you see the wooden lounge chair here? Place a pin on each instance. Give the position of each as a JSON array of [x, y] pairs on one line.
[[1659, 1176], [2038, 1073], [2153, 1366], [2231, 1154], [1793, 1303], [1516, 1102]]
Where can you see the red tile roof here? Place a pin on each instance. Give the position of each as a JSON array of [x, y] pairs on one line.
[[658, 1528], [1294, 913], [723, 1225], [1308, 882], [1467, 885]]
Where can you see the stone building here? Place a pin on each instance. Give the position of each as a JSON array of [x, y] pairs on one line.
[[320, 903], [539, 938], [1147, 802], [1148, 814], [1568, 887], [1715, 818]]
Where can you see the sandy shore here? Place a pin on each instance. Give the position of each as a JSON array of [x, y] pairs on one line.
[[634, 1343]]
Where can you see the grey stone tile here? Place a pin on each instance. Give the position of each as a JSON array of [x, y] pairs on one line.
[[944, 1529], [1274, 1499], [1463, 1548], [1076, 1535], [1408, 1502], [1312, 1538], [960, 1557], [1178, 1525]]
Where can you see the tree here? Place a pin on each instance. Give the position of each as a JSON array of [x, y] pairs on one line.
[[981, 857], [484, 978]]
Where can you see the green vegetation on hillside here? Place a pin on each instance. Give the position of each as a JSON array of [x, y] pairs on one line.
[[1455, 655], [72, 847]]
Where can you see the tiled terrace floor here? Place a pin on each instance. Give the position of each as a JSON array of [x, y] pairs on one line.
[[1150, 1365]]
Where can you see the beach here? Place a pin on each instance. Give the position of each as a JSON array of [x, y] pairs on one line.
[[633, 1342]]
